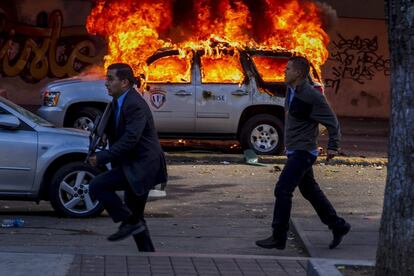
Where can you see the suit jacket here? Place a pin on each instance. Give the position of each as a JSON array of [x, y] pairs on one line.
[[134, 145]]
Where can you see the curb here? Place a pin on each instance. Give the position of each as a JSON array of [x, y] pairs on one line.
[[303, 238], [200, 158], [327, 267]]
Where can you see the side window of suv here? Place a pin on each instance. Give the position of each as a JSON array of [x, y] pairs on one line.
[[224, 69], [270, 68], [170, 69]]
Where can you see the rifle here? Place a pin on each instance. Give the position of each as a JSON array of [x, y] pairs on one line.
[[95, 137]]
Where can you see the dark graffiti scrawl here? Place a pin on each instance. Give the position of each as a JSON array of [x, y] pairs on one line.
[[356, 59], [35, 52]]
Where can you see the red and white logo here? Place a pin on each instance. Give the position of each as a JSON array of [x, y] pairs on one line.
[[158, 99]]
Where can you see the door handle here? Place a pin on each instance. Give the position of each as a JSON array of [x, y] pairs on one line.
[[239, 93], [183, 93], [207, 94]]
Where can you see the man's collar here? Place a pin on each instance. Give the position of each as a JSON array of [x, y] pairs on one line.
[[301, 85], [123, 95]]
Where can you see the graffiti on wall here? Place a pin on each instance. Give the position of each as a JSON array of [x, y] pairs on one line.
[[356, 59], [45, 50]]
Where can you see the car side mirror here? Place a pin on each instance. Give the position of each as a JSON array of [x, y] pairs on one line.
[[9, 121]]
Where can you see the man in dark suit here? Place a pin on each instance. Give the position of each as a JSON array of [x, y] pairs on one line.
[[135, 153]]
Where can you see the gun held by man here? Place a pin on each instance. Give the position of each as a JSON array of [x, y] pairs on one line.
[[96, 140]]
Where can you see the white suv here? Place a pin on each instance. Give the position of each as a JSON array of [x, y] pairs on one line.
[[248, 107]]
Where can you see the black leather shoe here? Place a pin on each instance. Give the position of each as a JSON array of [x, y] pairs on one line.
[[125, 230], [272, 242], [338, 234]]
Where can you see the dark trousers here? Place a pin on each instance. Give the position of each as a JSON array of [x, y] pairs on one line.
[[298, 172], [104, 187]]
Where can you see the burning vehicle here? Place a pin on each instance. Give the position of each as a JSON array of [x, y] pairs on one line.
[[211, 69]]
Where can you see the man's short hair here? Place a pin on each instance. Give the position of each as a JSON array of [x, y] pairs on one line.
[[301, 64], [125, 72]]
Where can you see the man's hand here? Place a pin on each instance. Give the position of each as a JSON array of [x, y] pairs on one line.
[[331, 154], [104, 141], [93, 160]]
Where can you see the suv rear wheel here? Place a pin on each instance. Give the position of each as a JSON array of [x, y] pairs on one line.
[[84, 118], [69, 191], [264, 134]]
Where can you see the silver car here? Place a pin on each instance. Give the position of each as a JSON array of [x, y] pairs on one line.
[[249, 108], [41, 162]]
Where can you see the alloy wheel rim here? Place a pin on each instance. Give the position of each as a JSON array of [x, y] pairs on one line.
[[74, 192]]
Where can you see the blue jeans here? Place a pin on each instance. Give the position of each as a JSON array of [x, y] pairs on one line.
[[298, 172]]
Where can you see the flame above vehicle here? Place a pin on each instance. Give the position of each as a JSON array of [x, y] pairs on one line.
[[137, 29]]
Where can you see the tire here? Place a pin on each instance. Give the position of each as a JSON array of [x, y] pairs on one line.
[[84, 118], [62, 196], [266, 127]]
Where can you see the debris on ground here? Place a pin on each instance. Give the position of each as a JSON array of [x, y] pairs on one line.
[[251, 158]]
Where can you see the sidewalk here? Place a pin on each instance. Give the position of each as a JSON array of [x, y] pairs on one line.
[[159, 264], [360, 244], [148, 264]]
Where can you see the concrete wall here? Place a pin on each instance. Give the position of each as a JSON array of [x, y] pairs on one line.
[[373, 9], [74, 11], [357, 72], [41, 41]]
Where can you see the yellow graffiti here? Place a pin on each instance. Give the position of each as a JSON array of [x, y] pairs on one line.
[[39, 58]]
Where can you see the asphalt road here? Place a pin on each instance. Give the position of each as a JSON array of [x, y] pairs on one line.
[[210, 208]]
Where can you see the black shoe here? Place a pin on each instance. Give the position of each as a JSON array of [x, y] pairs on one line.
[[338, 234], [272, 242], [126, 229]]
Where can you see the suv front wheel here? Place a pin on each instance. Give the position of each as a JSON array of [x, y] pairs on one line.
[[84, 118], [264, 134]]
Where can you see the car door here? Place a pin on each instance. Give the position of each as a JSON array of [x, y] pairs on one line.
[[18, 157], [221, 94], [170, 93]]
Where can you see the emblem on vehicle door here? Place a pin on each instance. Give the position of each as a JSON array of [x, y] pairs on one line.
[[158, 99]]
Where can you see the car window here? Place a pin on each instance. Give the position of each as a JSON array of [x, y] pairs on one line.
[[26, 113], [271, 69], [172, 69], [224, 69]]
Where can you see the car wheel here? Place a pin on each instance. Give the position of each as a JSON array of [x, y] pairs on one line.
[[69, 191], [264, 134], [84, 118]]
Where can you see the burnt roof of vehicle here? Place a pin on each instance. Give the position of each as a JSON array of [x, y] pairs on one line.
[[270, 53], [163, 52]]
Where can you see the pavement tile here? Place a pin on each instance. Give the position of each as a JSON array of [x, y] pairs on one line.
[[185, 266]]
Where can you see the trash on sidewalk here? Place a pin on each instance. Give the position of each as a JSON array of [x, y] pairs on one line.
[[252, 159], [277, 169], [12, 223], [225, 162]]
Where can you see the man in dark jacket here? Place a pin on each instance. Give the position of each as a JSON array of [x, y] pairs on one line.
[[306, 108], [135, 153]]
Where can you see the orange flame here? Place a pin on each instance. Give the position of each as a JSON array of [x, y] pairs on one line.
[[270, 69], [137, 29], [225, 69]]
